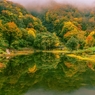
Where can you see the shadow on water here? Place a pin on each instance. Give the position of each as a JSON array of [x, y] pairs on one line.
[[47, 74]]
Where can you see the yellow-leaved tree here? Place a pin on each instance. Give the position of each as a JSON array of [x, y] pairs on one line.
[[11, 32], [68, 30], [32, 32]]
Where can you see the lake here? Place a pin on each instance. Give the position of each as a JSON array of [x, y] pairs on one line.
[[46, 74]]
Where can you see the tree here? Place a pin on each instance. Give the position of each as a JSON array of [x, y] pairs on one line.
[[68, 30], [72, 43], [81, 38], [31, 36], [90, 40], [46, 41], [11, 32], [32, 32]]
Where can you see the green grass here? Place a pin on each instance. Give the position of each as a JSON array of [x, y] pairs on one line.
[[91, 48]]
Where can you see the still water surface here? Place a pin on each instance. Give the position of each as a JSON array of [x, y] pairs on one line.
[[46, 74]]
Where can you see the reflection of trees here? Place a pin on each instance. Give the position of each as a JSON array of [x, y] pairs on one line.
[[70, 74], [76, 74], [46, 60], [17, 75], [13, 76]]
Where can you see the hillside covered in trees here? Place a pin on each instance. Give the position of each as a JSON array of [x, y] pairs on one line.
[[71, 24], [60, 25]]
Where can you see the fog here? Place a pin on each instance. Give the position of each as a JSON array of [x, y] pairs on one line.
[[40, 4], [43, 2]]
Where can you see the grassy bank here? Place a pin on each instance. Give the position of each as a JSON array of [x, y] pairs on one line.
[[86, 58], [24, 51]]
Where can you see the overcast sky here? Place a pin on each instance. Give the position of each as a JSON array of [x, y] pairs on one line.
[[39, 3], [24, 2]]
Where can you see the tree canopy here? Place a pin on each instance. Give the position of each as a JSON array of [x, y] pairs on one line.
[[20, 27]]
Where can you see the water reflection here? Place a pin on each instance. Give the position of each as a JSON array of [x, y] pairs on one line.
[[78, 92], [56, 73]]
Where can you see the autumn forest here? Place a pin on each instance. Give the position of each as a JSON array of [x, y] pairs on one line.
[[56, 27], [47, 50]]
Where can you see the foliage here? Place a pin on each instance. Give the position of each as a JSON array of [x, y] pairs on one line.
[[19, 15], [90, 40], [20, 28], [27, 72], [55, 17], [81, 38], [32, 32], [46, 41], [11, 32], [69, 27], [72, 43]]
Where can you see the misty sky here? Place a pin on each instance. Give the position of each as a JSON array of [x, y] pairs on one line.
[[34, 4], [24, 2]]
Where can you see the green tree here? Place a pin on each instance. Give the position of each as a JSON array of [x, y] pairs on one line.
[[46, 41], [72, 43]]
